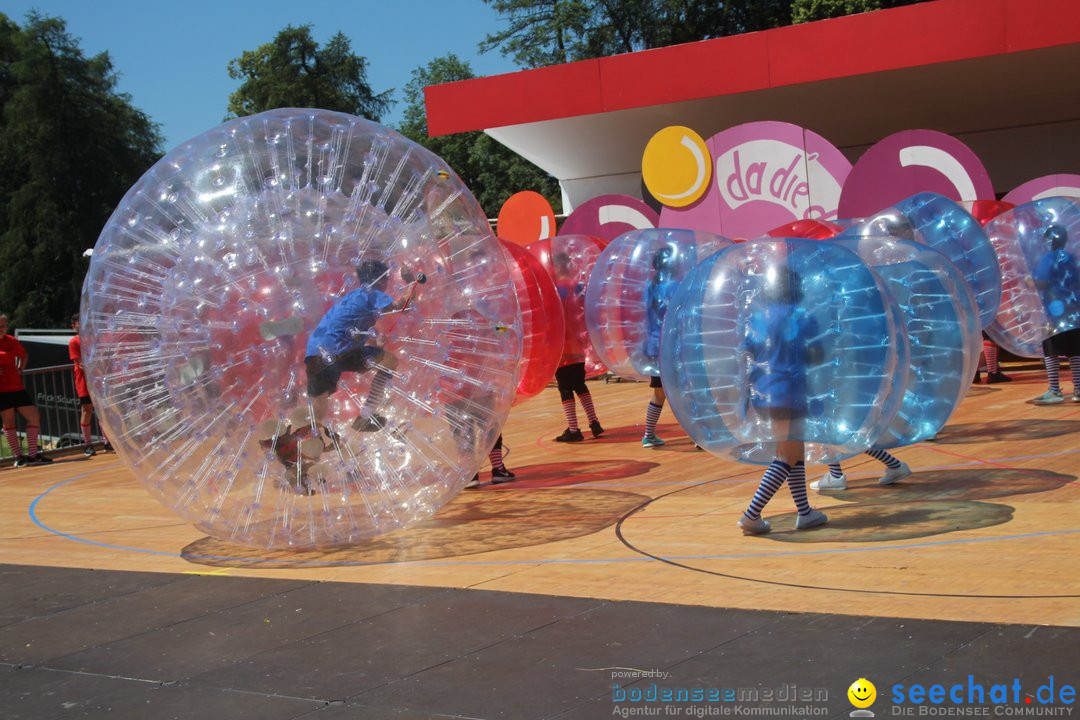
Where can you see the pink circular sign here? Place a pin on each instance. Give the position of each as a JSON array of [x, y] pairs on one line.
[[766, 174], [609, 216], [910, 162], [1044, 187]]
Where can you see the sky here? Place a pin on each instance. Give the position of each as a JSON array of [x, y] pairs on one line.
[[172, 57]]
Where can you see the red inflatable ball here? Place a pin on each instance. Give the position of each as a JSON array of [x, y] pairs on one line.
[[569, 259], [542, 325], [809, 229]]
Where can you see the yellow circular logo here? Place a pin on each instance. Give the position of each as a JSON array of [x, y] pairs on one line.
[[676, 166], [862, 693]]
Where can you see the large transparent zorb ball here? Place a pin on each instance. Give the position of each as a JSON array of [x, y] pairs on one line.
[[781, 341], [569, 260], [629, 291], [1038, 245], [941, 322], [300, 331], [947, 227]]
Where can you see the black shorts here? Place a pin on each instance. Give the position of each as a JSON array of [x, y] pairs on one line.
[[1066, 343], [85, 400], [15, 399], [654, 382], [322, 378], [570, 379]]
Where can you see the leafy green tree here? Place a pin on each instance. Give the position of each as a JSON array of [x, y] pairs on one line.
[[491, 171], [293, 71], [70, 147], [545, 32], [808, 10]]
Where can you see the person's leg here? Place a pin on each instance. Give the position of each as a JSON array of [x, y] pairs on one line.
[[993, 368], [751, 522], [384, 364], [808, 517], [1053, 395], [564, 377], [1074, 370], [86, 414], [652, 417], [7, 417], [33, 427], [586, 400], [499, 472], [895, 470]]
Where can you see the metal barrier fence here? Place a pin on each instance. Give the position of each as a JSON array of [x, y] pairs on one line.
[[53, 391]]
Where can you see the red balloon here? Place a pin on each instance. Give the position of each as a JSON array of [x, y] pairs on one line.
[[568, 260], [810, 229], [986, 210], [542, 325]]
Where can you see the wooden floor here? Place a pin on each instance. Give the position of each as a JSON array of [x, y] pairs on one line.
[[988, 527]]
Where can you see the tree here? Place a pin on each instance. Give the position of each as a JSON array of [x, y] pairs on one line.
[[808, 10], [70, 147], [293, 71], [545, 32], [491, 171]]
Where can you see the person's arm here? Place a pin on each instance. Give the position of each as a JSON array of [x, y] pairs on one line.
[[403, 302], [21, 355]]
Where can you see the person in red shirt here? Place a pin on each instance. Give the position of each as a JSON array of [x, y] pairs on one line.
[[14, 398], [86, 404]]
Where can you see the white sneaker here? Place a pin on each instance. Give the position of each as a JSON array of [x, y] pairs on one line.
[[811, 519], [754, 527], [893, 474], [475, 482], [830, 482]]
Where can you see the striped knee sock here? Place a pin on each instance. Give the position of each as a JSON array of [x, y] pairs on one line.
[[1053, 372], [570, 411], [890, 462], [991, 351], [836, 470], [32, 448], [376, 393], [1074, 368], [652, 416], [495, 458], [586, 402], [774, 477], [12, 436], [796, 482]]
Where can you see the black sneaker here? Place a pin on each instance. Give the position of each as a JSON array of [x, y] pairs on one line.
[[501, 475], [22, 461], [978, 378], [595, 429], [474, 483], [569, 435], [997, 377], [89, 451], [107, 448], [371, 424], [40, 459]]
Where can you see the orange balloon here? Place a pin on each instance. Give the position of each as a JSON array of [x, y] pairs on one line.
[[525, 217]]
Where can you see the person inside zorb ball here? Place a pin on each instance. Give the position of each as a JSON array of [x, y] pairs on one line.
[[270, 323]]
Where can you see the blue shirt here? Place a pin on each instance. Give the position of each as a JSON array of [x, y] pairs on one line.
[[778, 338], [346, 323], [1059, 280], [657, 296]]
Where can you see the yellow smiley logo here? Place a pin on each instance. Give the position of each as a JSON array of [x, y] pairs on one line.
[[862, 693]]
